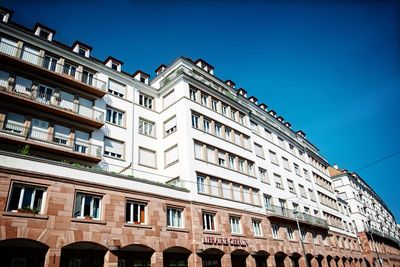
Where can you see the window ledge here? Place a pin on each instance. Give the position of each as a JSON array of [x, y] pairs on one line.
[[116, 125], [293, 241], [24, 215], [208, 232], [238, 235], [260, 237], [184, 230], [82, 220], [111, 157], [145, 226]]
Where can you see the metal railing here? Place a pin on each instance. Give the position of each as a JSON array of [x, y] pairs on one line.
[[51, 64], [301, 216], [58, 102], [41, 136]]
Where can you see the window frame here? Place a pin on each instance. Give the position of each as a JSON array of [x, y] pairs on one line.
[[170, 220], [118, 112], [147, 127], [23, 186], [83, 200], [235, 225], [208, 220]]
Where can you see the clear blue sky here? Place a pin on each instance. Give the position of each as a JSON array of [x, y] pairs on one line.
[[331, 69]]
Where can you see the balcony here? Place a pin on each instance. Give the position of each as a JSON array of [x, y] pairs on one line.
[[383, 235], [48, 67], [284, 213], [44, 141], [55, 105]]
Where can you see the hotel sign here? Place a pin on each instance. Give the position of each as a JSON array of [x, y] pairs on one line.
[[237, 242]]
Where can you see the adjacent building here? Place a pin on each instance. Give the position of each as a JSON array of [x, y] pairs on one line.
[[100, 167]]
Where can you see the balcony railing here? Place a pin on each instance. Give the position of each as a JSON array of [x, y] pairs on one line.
[[57, 102], [384, 235], [43, 137], [301, 216], [52, 65]]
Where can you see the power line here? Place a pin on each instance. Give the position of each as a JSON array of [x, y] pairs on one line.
[[379, 160]]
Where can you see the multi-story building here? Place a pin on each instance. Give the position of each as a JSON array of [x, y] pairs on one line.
[[375, 223], [100, 167]]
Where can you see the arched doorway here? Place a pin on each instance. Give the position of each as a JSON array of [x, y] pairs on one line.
[[309, 258], [22, 252], [295, 257], [211, 257], [329, 259], [238, 258], [134, 255], [176, 257], [319, 259], [261, 258], [280, 259], [79, 254]]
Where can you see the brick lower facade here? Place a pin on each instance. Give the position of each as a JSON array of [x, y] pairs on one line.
[[55, 238]]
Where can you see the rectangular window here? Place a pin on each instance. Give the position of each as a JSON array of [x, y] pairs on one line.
[[296, 169], [39, 129], [235, 225], [87, 205], [306, 176], [4, 79], [231, 162], [237, 138], [169, 99], [291, 186], [273, 157], [69, 69], [259, 150], [223, 110], [303, 235], [263, 175], [113, 148], [246, 194], [214, 104], [278, 181], [193, 94], [170, 126], [147, 157], [201, 188], [14, 123], [302, 191], [116, 88], [286, 163], [233, 114], [268, 135], [174, 217], [226, 190], [241, 165], [135, 212], [214, 187], [204, 100], [198, 151], [206, 125], [275, 231], [257, 227], [208, 221], [195, 121], [146, 127], [267, 202], [81, 141], [217, 130], [312, 195], [26, 197], [254, 126], [61, 134], [228, 136], [146, 101], [87, 77], [22, 86], [237, 193], [290, 233], [114, 116], [221, 159], [171, 155], [211, 154], [281, 143], [30, 55], [49, 63]]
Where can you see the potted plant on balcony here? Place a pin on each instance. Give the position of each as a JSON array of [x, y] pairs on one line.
[[28, 210]]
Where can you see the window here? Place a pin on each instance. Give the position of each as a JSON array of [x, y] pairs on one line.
[[171, 155], [237, 138], [296, 169], [14, 123], [257, 227], [235, 225], [290, 233], [82, 51], [87, 205], [221, 159], [273, 157], [198, 151], [87, 77], [259, 150], [303, 235], [211, 154], [147, 157], [231, 162], [223, 109], [306, 176], [23, 86], [174, 217], [267, 202], [302, 191], [208, 221], [291, 148], [4, 78], [291, 186], [241, 165], [169, 99], [226, 190], [201, 184], [69, 69], [114, 65], [268, 135], [39, 129], [170, 126], [281, 143], [275, 231], [228, 134], [193, 94], [114, 116], [286, 163], [146, 127], [312, 195], [315, 239], [217, 130], [26, 197], [263, 175], [146, 101], [81, 141], [113, 148], [278, 181], [206, 126], [49, 63], [61, 134], [204, 100], [135, 212], [195, 121], [254, 126], [233, 114], [116, 88], [214, 104]]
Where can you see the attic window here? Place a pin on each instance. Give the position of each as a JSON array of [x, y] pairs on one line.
[[44, 34], [4, 16], [142, 79], [114, 65], [82, 51]]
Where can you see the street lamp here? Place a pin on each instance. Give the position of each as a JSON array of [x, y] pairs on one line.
[[295, 212]]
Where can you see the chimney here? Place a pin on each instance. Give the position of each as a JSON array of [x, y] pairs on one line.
[[230, 83], [272, 113], [253, 99], [263, 106], [242, 92], [287, 124], [281, 119]]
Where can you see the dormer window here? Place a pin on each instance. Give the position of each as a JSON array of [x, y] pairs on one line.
[[113, 63], [205, 66], [44, 32], [114, 66], [5, 14], [141, 76], [81, 49]]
